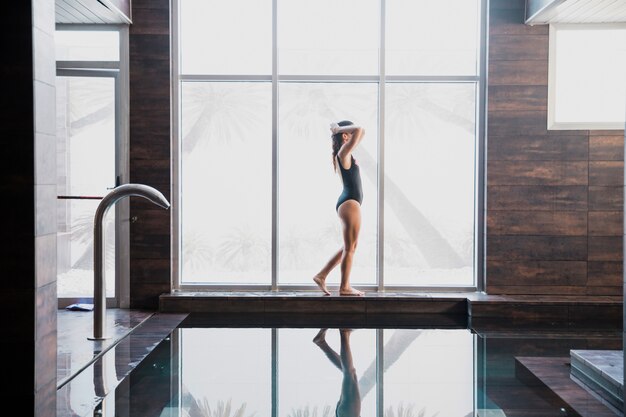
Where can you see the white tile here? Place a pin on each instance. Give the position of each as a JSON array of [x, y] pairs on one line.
[[45, 108]]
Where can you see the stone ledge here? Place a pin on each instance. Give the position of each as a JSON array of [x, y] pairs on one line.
[[308, 302], [606, 310]]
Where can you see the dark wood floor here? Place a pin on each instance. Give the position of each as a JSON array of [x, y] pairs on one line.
[[554, 374]]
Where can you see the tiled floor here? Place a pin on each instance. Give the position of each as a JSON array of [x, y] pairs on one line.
[[82, 392], [75, 351]]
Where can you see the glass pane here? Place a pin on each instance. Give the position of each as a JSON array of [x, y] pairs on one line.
[[78, 45], [226, 37], [428, 372], [309, 367], [75, 248], [221, 372], [309, 228], [85, 167], [589, 73], [226, 182], [429, 184], [328, 37], [432, 37]]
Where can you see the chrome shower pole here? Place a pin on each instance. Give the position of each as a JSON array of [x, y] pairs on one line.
[[99, 290]]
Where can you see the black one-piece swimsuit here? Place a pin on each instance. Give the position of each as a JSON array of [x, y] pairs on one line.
[[352, 188]]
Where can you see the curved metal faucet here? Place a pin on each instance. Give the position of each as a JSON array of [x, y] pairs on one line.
[[99, 292]]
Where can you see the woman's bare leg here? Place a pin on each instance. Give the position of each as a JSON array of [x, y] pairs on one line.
[[350, 215], [349, 404], [350, 401], [320, 277], [320, 341]]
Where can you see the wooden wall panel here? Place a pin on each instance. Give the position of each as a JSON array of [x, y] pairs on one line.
[[606, 173], [606, 223], [537, 223], [558, 248], [518, 48], [604, 274], [554, 198], [605, 248], [606, 198], [606, 148], [538, 197], [518, 73], [544, 173], [537, 148], [518, 97], [546, 273], [149, 49]]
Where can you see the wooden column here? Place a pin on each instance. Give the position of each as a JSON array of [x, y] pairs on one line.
[[150, 150]]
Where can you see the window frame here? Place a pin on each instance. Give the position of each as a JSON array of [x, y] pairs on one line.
[[119, 71], [479, 171]]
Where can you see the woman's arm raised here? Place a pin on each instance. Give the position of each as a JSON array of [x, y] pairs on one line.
[[347, 148]]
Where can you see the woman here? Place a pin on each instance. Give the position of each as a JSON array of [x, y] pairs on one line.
[[345, 136], [349, 404]]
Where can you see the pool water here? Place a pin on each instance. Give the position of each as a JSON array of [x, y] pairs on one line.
[[382, 372]]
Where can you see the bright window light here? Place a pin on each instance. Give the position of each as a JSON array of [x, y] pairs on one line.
[[587, 85], [226, 37], [83, 45], [259, 83]]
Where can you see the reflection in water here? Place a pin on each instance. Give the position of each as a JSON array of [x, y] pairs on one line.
[[349, 404], [280, 372], [202, 408]]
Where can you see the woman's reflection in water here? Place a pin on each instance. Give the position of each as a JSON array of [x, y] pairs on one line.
[[349, 404]]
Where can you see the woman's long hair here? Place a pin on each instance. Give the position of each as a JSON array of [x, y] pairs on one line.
[[338, 141]]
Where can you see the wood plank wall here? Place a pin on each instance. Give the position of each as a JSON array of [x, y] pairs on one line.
[[149, 40], [554, 198]]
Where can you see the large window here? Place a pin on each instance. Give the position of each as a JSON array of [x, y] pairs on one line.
[[259, 82]]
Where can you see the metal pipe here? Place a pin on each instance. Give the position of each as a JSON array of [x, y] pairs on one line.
[[99, 290]]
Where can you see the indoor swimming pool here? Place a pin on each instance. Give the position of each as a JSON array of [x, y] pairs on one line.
[[205, 369]]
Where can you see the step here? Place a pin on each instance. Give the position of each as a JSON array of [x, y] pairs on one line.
[[602, 371], [554, 373], [310, 302], [606, 310]]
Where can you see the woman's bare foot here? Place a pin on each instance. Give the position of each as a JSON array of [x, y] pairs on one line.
[[320, 280], [320, 337], [351, 292]]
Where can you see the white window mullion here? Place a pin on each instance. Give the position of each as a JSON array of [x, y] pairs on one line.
[[274, 146], [381, 156]]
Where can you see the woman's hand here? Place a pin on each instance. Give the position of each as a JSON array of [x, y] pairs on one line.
[[335, 128]]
